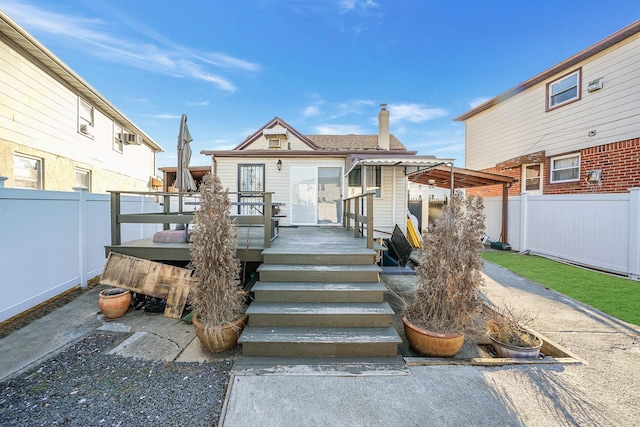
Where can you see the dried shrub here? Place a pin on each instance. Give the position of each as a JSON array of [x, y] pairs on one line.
[[508, 326], [217, 298], [448, 277]]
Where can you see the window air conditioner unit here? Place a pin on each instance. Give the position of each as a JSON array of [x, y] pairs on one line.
[[86, 130], [274, 143], [132, 138]]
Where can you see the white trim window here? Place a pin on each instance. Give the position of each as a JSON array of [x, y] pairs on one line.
[[82, 179], [532, 178], [372, 181], [564, 90], [565, 168], [118, 138], [27, 172], [86, 114]]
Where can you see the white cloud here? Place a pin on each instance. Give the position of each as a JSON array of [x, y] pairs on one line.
[[311, 110], [349, 5], [330, 129], [414, 113], [478, 101], [199, 104], [132, 44]]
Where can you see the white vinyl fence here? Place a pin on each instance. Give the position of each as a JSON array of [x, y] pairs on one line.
[[51, 241], [594, 230]]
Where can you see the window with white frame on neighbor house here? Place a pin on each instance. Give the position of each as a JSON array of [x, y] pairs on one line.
[[85, 118], [531, 178], [27, 172], [118, 138], [82, 179], [565, 168], [564, 90], [372, 180]]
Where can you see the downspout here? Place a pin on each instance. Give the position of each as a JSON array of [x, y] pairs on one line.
[[393, 197]]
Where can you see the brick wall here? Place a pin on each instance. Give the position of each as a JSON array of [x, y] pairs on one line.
[[618, 161]]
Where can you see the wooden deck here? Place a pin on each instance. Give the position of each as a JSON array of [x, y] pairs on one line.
[[322, 239]]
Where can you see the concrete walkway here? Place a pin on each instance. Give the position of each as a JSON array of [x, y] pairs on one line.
[[603, 391]]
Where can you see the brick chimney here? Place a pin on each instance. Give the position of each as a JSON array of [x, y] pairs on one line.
[[383, 128]]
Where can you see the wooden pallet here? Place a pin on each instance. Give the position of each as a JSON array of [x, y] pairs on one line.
[[150, 278]]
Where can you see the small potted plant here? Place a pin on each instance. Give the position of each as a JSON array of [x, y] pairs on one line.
[[509, 336], [114, 302], [448, 280], [217, 299]]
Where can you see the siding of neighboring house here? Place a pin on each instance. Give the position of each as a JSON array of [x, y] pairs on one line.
[[39, 118], [603, 126]]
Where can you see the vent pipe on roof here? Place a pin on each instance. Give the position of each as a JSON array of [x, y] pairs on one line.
[[383, 128]]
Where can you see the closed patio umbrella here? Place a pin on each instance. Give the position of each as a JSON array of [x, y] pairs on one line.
[[184, 179]]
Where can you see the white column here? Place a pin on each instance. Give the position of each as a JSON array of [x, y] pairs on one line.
[[634, 233], [83, 244], [2, 180]]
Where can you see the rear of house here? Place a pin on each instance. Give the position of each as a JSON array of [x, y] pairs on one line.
[[310, 175]]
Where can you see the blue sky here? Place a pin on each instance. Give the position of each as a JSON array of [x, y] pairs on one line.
[[323, 66]]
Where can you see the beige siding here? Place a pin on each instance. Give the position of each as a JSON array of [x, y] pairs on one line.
[[289, 143], [39, 117], [520, 125]]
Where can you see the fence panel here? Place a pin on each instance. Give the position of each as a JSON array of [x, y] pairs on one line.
[[588, 229], [51, 241]]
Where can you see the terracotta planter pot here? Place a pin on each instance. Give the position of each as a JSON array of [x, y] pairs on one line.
[[512, 351], [229, 335], [114, 302], [431, 343]]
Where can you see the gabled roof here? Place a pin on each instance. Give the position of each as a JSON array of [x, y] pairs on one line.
[[353, 142], [565, 65], [276, 121], [44, 58], [349, 143]]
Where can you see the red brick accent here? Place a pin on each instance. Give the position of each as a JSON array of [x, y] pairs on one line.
[[618, 161]]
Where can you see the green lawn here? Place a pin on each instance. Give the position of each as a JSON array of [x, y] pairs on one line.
[[616, 296]]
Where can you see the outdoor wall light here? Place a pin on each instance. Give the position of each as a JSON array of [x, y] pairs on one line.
[[279, 165]]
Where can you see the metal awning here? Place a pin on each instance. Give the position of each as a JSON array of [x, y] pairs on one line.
[[412, 164]]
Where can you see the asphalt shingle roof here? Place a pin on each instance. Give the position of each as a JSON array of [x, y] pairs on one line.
[[353, 142]]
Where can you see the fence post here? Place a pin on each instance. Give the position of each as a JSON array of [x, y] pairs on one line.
[[523, 221], [83, 245], [634, 233], [2, 180]]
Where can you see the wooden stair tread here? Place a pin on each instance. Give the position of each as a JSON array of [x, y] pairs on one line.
[[304, 335], [318, 268], [328, 308], [318, 286]]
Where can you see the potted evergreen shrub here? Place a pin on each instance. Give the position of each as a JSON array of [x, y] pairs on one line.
[[448, 280], [217, 299]]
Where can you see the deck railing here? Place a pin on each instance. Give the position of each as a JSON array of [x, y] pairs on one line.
[[264, 216], [360, 210]]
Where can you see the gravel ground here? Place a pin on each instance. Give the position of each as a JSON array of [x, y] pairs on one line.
[[83, 386]]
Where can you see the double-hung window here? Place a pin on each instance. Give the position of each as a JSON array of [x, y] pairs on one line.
[[364, 179], [565, 168], [118, 138], [85, 118], [564, 90]]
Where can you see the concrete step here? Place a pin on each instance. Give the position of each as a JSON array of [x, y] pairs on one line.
[[318, 273], [346, 315], [319, 292], [320, 255], [319, 342]]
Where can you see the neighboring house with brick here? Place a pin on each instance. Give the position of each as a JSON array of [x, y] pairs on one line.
[[310, 175], [59, 133], [572, 129]]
